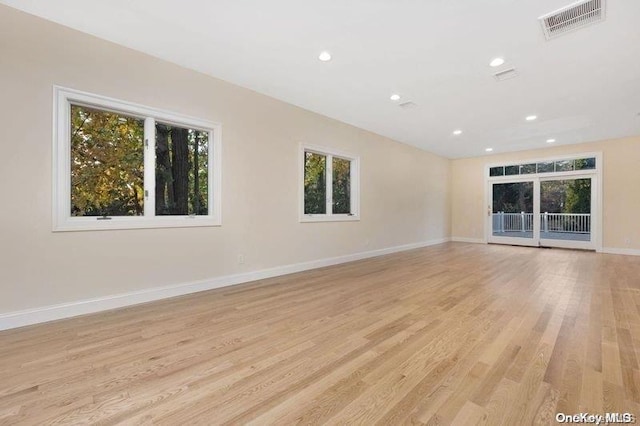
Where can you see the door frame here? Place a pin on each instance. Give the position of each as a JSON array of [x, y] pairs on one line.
[[536, 178]]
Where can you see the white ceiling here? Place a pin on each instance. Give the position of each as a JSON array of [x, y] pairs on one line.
[[583, 86]]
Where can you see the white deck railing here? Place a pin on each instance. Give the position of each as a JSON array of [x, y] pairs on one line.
[[576, 223], [512, 222]]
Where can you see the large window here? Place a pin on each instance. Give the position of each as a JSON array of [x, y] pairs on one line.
[[329, 185], [120, 165]]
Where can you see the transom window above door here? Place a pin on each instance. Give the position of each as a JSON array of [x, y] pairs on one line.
[[564, 165]]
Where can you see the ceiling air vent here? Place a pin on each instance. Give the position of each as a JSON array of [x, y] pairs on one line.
[[408, 105], [572, 17], [506, 74]]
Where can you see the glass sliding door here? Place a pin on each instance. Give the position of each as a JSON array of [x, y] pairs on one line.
[[512, 213], [565, 212], [548, 212]]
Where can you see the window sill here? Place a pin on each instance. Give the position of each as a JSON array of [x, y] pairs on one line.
[[309, 218], [116, 223]]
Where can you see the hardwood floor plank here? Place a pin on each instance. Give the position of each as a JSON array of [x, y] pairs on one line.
[[471, 414]]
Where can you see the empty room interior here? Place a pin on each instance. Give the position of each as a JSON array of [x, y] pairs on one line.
[[319, 212]]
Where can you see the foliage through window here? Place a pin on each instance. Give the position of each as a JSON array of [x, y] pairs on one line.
[[329, 186], [181, 170], [120, 165], [571, 196], [341, 186], [315, 183], [107, 163]]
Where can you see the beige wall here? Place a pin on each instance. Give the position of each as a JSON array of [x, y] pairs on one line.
[[621, 192], [404, 198]]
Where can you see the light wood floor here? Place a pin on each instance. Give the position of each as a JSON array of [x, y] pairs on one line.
[[456, 333]]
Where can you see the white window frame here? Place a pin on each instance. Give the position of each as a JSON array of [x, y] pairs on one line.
[[63, 98], [354, 179]]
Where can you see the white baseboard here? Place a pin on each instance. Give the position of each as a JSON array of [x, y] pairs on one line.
[[614, 250], [468, 240], [88, 306]]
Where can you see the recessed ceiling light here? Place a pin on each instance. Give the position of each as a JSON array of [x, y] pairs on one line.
[[531, 117], [488, 149], [395, 97], [496, 62], [325, 56], [551, 140], [457, 132]]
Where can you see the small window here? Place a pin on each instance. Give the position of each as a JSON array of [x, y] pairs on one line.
[[511, 170], [545, 167], [564, 166], [329, 185], [527, 169], [120, 165], [496, 171], [585, 164]]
